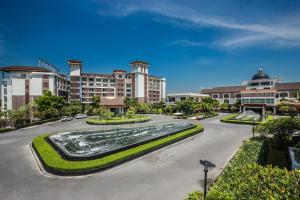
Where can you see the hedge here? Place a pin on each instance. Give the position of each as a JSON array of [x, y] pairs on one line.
[[245, 178], [3, 130], [118, 120], [54, 163], [229, 119]]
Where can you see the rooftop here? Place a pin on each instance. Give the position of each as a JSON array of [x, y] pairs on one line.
[[260, 75], [24, 68], [228, 89], [187, 94]]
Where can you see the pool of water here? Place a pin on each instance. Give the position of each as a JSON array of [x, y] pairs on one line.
[[93, 143]]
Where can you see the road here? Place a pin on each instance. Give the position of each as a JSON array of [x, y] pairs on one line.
[[169, 173]]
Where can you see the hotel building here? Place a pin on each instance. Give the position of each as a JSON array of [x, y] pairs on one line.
[[134, 84], [21, 84], [259, 93]]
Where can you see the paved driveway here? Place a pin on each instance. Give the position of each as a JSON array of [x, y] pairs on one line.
[[169, 173]]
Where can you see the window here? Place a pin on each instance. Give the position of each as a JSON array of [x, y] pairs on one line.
[[254, 84], [98, 80], [226, 96], [83, 79], [265, 83], [91, 79], [105, 80]]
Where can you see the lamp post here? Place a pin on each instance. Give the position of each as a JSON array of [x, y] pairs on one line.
[[206, 165]]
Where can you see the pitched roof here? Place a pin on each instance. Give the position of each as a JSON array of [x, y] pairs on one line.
[[288, 86], [112, 101], [74, 61], [228, 89], [24, 68]]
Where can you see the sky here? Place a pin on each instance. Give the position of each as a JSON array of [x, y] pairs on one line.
[[194, 44]]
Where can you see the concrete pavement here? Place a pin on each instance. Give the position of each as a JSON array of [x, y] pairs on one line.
[[169, 173]]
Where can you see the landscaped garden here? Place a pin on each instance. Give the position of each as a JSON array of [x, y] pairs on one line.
[[248, 118], [118, 120], [260, 169], [122, 148]]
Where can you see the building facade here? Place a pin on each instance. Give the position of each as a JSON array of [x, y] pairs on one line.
[[21, 84], [173, 98], [120, 84], [259, 93]]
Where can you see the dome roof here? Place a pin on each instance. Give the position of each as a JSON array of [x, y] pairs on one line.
[[260, 75]]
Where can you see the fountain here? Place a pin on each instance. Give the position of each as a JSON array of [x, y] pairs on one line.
[[248, 115], [87, 145]]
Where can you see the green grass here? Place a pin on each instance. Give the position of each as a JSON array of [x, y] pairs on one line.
[[118, 120], [54, 161], [244, 120]]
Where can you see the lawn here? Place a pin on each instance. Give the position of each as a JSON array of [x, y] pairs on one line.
[[53, 162], [118, 120]]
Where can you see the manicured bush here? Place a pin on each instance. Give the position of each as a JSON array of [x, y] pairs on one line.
[[245, 177], [281, 129], [53, 162]]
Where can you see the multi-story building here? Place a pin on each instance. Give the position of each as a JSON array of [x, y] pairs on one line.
[[259, 93], [21, 84], [173, 98], [136, 84]]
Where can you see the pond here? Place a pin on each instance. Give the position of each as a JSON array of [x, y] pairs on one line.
[[86, 144]]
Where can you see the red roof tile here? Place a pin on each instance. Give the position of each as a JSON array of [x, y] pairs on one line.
[[24, 68]]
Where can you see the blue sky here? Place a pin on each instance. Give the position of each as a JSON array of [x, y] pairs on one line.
[[194, 44]]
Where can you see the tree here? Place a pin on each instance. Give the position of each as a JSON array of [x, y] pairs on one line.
[[95, 102], [281, 129], [224, 106], [187, 106], [104, 113], [130, 113], [131, 102], [49, 105], [143, 108]]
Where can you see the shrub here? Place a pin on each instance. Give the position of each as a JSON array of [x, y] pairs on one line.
[[130, 113], [281, 128], [245, 179]]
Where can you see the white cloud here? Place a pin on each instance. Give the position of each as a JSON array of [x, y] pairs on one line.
[[280, 34]]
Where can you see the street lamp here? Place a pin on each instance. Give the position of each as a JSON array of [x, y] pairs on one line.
[[206, 165]]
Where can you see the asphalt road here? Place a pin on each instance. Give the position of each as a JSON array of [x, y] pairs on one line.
[[169, 173]]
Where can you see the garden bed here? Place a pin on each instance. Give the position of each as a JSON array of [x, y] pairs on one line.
[[118, 120], [54, 163], [246, 177], [231, 119]]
